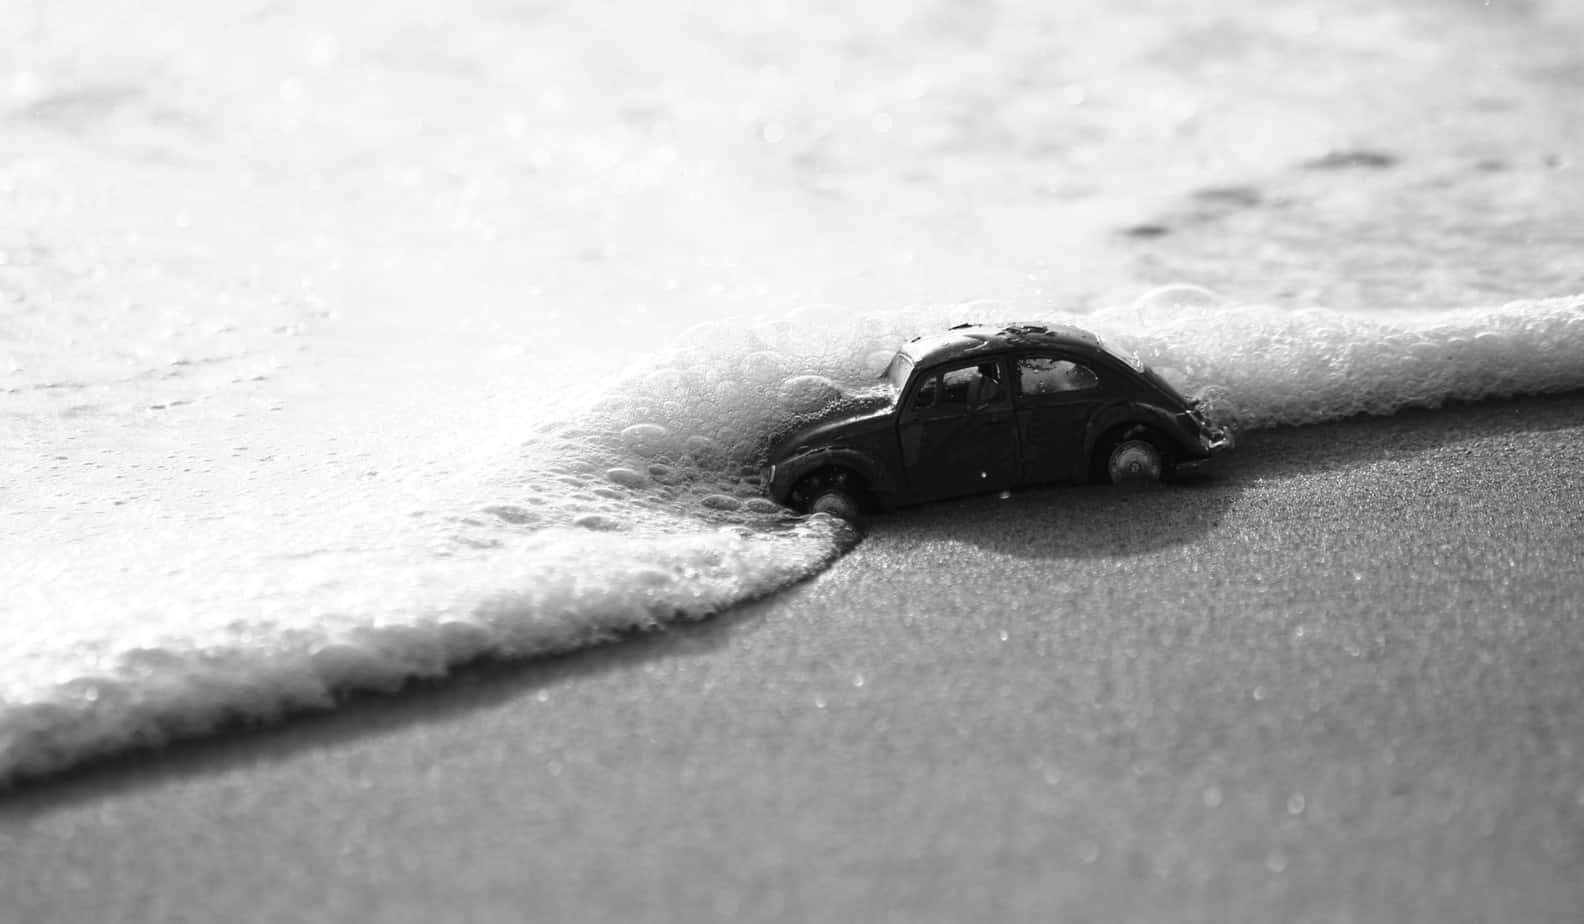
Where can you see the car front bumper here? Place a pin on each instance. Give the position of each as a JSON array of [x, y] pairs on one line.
[[1218, 441], [1213, 440]]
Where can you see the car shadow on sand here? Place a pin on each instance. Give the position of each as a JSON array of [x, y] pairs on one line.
[[1087, 521], [1096, 521]]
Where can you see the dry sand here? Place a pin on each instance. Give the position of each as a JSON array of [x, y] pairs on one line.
[[1336, 680]]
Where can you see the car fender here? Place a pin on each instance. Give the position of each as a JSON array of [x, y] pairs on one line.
[[1130, 412], [792, 470]]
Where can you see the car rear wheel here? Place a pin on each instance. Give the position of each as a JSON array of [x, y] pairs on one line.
[[838, 504], [836, 492]]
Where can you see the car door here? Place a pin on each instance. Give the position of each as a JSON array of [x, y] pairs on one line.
[[1056, 395], [957, 431]]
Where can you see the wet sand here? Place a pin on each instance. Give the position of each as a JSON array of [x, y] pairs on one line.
[[1337, 679]]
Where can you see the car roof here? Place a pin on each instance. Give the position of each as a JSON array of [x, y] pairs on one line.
[[968, 340]]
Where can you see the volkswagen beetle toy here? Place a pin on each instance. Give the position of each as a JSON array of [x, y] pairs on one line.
[[984, 409]]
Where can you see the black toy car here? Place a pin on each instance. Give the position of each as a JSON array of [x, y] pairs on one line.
[[981, 409]]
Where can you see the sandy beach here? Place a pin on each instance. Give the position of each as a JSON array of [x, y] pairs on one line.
[[1334, 680], [340, 345]]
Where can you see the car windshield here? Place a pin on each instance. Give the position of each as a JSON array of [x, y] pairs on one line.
[[1124, 355], [896, 374]]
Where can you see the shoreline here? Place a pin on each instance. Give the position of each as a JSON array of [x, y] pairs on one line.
[[492, 670], [1335, 679]]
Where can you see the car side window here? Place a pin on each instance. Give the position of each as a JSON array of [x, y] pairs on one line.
[[1047, 375], [957, 384], [957, 391]]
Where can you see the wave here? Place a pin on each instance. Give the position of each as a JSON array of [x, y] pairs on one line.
[[644, 506]]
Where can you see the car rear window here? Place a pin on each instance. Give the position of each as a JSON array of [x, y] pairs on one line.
[[897, 373]]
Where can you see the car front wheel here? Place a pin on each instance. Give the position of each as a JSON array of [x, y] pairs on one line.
[[1135, 461]]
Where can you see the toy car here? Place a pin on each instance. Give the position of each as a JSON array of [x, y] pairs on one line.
[[980, 409]]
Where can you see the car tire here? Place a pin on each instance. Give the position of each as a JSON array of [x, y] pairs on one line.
[[1135, 461], [833, 492], [839, 504]]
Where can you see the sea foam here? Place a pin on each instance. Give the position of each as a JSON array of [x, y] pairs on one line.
[[643, 505]]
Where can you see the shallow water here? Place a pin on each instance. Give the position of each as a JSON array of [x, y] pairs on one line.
[[338, 350]]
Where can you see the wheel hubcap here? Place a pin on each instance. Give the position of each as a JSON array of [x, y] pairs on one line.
[[835, 504], [1135, 462]]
